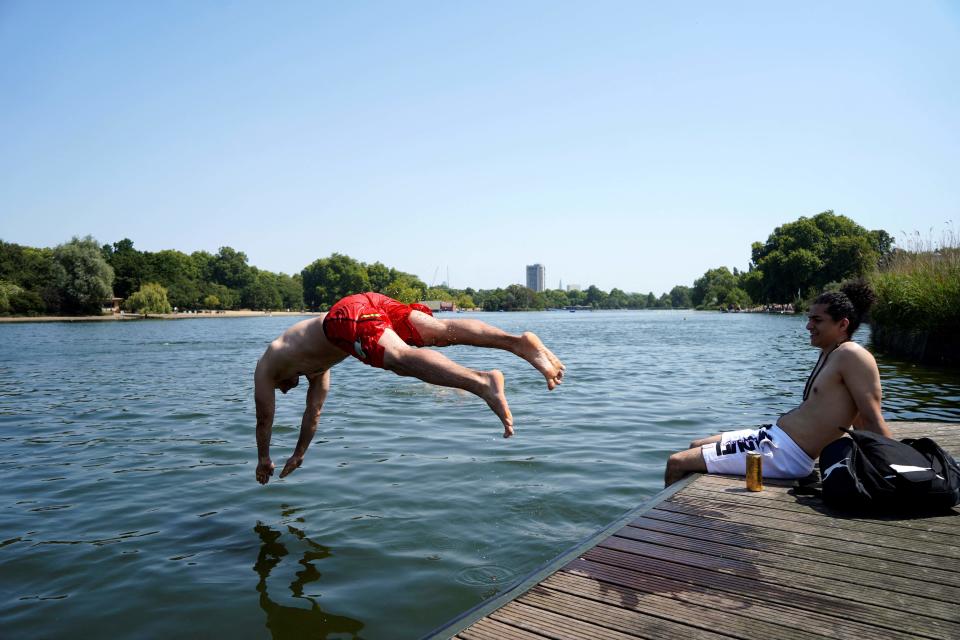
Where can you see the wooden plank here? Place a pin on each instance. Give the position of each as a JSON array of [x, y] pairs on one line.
[[757, 554], [888, 612], [775, 575], [487, 629], [945, 522], [922, 429], [705, 559], [849, 618], [911, 554], [789, 498], [552, 625], [734, 613], [840, 554], [931, 542], [625, 620], [804, 535], [735, 485], [702, 607], [484, 608]]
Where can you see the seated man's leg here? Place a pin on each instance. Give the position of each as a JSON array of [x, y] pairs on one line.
[[696, 444], [435, 368], [682, 463], [476, 333]]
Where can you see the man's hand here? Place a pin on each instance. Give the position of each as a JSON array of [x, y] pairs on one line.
[[293, 463], [265, 470]]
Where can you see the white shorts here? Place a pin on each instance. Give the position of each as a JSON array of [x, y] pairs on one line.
[[782, 457]]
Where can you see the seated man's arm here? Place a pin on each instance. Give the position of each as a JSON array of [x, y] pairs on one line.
[[263, 395], [316, 396], [862, 378]]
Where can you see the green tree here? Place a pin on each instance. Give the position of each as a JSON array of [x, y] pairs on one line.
[[151, 298], [328, 279], [517, 297], [88, 279], [178, 273], [680, 297], [226, 297], [229, 268], [752, 283], [380, 276], [736, 298], [36, 272], [555, 299], [7, 290], [291, 291], [406, 289], [262, 292], [464, 301], [617, 299], [438, 293], [129, 266], [804, 255], [203, 265], [637, 301], [711, 289], [595, 297]]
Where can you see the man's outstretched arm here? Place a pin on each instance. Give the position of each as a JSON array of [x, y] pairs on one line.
[[263, 395], [862, 378], [316, 396]]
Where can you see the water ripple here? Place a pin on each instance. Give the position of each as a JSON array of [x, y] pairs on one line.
[[129, 451]]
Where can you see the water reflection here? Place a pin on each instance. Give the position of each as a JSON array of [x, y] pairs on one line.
[[296, 622]]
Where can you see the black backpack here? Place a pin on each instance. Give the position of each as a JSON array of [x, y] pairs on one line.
[[867, 471]]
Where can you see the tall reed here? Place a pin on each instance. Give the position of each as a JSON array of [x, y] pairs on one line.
[[918, 287]]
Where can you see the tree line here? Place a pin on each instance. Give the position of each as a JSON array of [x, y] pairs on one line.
[[798, 260], [80, 276]]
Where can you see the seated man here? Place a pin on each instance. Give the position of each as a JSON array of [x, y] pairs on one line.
[[383, 333], [843, 389]]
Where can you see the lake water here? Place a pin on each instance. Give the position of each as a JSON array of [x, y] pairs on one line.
[[128, 505]]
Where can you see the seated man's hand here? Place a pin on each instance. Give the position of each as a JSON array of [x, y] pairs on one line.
[[293, 463], [264, 470]]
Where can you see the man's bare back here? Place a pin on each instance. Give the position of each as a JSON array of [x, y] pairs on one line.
[[301, 350], [364, 328]]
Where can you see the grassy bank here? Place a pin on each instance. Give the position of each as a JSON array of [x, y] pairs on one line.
[[917, 313]]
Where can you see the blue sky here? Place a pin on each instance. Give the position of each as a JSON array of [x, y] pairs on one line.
[[622, 144]]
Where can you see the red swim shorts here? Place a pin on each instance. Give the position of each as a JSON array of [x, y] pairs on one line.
[[355, 324]]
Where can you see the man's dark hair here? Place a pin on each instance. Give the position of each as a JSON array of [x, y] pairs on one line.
[[852, 302]]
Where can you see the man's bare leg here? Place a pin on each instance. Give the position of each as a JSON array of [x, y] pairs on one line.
[[436, 368], [682, 463], [442, 333], [696, 444]]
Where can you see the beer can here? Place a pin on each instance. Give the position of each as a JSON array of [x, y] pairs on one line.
[[754, 471]]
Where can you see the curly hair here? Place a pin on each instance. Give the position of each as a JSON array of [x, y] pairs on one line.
[[852, 302]]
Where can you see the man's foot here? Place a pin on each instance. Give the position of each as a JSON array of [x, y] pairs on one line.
[[496, 399], [533, 351]]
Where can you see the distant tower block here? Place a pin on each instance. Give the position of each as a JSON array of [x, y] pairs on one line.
[[536, 276]]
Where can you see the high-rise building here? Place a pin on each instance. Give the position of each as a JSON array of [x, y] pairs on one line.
[[536, 277]]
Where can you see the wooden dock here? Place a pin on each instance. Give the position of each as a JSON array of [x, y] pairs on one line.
[[707, 559]]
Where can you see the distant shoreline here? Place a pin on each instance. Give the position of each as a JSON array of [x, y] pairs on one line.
[[156, 316], [260, 314]]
